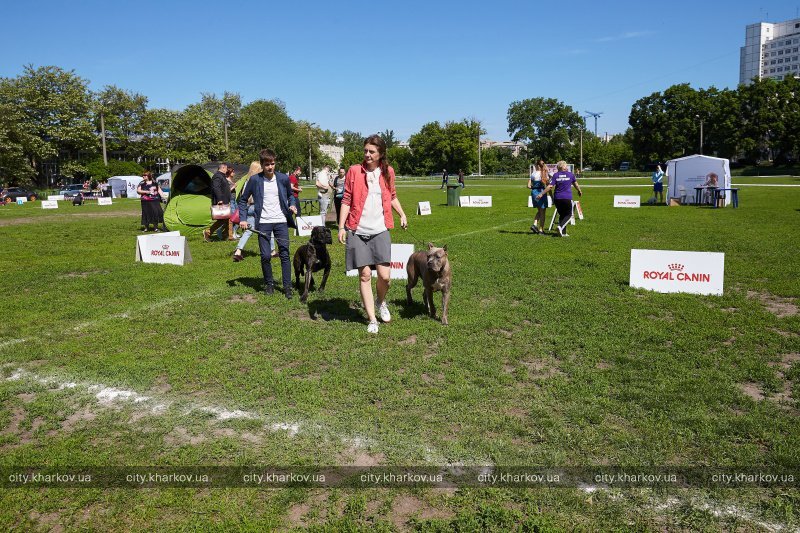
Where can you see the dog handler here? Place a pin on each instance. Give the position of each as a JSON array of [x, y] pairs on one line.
[[562, 183], [364, 224]]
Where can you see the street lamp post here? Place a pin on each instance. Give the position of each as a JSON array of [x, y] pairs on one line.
[[310, 172], [479, 151], [581, 148], [103, 137], [701, 133]]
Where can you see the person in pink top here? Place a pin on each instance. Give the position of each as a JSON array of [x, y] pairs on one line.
[[364, 224]]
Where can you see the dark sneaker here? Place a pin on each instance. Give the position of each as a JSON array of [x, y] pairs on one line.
[[237, 257], [288, 292], [534, 229], [269, 290]]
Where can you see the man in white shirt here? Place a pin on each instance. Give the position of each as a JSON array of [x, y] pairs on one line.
[[323, 185], [274, 206]]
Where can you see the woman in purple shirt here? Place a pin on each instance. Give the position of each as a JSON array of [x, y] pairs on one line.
[[561, 183]]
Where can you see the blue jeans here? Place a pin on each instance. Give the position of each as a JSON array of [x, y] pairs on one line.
[[251, 221], [281, 233]]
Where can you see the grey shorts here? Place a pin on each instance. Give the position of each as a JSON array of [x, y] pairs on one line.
[[363, 250]]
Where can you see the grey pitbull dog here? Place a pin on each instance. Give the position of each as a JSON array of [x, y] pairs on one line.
[[313, 257], [434, 269]]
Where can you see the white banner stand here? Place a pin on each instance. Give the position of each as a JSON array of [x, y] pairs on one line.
[[22, 200], [166, 248], [575, 209], [49, 204], [104, 201], [627, 201], [677, 271], [400, 255], [464, 201], [306, 223], [424, 208], [480, 201], [56, 197]]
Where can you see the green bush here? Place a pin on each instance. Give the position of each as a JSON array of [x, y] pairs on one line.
[[97, 170]]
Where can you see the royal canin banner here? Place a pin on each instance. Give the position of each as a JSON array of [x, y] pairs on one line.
[[400, 255], [627, 201], [674, 271], [165, 248], [306, 223]]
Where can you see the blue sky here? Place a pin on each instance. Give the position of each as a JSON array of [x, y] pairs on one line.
[[370, 66]]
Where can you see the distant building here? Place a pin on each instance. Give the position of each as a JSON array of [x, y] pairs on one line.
[[515, 146], [771, 50], [334, 152]]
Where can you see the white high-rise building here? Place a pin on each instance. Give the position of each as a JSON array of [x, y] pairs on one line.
[[771, 50]]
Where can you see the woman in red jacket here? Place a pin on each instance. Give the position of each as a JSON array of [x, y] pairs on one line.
[[364, 224]]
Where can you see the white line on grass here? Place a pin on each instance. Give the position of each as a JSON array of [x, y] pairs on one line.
[[111, 396], [486, 229]]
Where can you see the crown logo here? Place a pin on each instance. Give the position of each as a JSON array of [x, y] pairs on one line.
[[676, 266]]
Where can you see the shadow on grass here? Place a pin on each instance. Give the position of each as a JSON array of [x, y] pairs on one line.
[[529, 232], [256, 284], [415, 308], [335, 309]]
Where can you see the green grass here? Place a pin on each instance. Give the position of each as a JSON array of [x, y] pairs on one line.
[[624, 377]]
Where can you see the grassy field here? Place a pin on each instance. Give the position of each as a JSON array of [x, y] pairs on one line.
[[550, 360]]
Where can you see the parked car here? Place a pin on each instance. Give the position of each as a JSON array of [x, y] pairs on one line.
[[71, 190], [625, 165], [10, 195]]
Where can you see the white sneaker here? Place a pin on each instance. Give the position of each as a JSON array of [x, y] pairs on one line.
[[372, 327], [560, 233], [383, 310]]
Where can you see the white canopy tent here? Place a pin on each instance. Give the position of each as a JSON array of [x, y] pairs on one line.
[[686, 173], [124, 184]]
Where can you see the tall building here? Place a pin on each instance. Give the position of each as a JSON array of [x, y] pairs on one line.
[[771, 50]]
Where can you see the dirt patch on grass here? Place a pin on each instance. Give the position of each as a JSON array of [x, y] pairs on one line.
[[777, 305], [406, 507], [752, 390], [410, 340], [161, 385], [83, 275], [79, 417], [180, 436], [302, 314], [785, 363], [431, 350], [249, 298], [602, 365], [47, 521], [26, 397], [55, 218], [17, 416], [297, 515], [355, 456], [783, 333]]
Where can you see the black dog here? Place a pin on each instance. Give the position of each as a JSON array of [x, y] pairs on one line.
[[313, 257]]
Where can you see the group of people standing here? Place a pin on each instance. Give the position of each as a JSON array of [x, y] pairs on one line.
[[541, 183], [364, 196], [446, 178]]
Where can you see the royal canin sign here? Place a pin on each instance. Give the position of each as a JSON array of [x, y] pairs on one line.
[[677, 271]]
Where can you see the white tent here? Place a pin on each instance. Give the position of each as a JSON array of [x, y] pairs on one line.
[[124, 184], [686, 173]]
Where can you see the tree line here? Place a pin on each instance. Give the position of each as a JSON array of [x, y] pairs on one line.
[[50, 115]]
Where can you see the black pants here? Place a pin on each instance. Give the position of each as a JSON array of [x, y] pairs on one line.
[[337, 201], [564, 208], [281, 234]]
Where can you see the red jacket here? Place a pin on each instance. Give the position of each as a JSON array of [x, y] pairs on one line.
[[355, 195]]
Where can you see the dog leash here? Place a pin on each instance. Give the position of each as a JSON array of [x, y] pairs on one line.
[[415, 238]]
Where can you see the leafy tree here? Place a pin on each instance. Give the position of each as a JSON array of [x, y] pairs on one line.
[[401, 159], [352, 158], [546, 124], [353, 141], [123, 112], [56, 105], [159, 134], [97, 170], [16, 138], [388, 137], [197, 136], [430, 148]]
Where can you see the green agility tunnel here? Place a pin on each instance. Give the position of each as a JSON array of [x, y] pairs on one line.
[[189, 206]]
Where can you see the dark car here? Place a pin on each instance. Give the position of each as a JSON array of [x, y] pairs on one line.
[[10, 195], [71, 190]]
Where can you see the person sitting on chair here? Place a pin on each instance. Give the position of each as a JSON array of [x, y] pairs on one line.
[[710, 184]]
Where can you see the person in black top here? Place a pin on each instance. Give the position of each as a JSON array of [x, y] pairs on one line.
[[150, 193], [220, 195], [461, 178], [444, 178]]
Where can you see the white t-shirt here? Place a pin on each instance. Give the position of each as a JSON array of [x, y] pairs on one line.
[[323, 177], [372, 220], [271, 209]]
